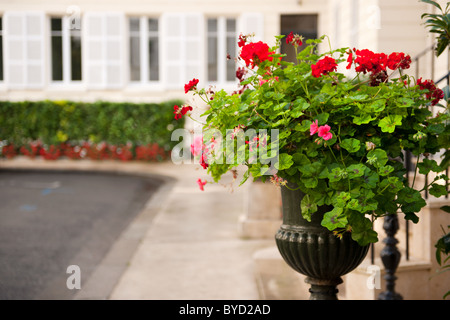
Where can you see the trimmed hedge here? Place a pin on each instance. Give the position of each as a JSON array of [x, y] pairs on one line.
[[77, 123]]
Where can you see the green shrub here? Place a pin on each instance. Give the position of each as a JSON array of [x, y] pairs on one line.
[[56, 122]]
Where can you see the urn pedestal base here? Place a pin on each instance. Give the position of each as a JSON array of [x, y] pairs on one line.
[[323, 289], [313, 250]]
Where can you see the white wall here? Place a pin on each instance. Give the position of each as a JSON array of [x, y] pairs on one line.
[[379, 25]]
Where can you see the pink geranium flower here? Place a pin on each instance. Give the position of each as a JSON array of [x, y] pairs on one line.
[[198, 146], [201, 184], [324, 132], [314, 127]]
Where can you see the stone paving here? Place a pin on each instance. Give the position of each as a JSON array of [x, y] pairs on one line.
[[184, 245]]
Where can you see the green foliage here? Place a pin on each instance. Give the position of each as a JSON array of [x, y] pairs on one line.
[[439, 24], [358, 168], [53, 122]]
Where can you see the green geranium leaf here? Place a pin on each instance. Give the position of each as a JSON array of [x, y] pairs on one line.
[[404, 102], [363, 119], [310, 182], [415, 206], [308, 206], [322, 118], [311, 169], [351, 145], [300, 159], [337, 174], [295, 113], [408, 195], [436, 128], [356, 170], [438, 190], [284, 162], [428, 165], [342, 199], [362, 231], [378, 105], [387, 124], [303, 126], [370, 179], [385, 170], [363, 202], [392, 184], [301, 104], [362, 205], [377, 157], [412, 217], [334, 219]]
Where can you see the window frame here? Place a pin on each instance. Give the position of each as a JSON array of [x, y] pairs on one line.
[[144, 52], [66, 34], [222, 38]]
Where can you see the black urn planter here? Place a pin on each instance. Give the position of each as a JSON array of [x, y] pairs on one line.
[[313, 250]]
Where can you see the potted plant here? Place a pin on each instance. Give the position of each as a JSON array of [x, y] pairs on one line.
[[331, 130]]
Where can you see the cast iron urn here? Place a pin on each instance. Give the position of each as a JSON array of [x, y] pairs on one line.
[[313, 250]]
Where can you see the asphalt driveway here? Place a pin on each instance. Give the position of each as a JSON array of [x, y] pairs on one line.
[[51, 221]]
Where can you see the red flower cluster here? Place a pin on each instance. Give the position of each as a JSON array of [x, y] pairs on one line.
[[181, 111], [434, 93], [191, 85], [51, 152], [323, 66], [242, 40], [8, 151], [32, 150], [295, 40], [150, 152], [255, 52], [86, 150], [398, 60], [368, 61]]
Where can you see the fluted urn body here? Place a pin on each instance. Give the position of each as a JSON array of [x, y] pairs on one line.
[[313, 250]]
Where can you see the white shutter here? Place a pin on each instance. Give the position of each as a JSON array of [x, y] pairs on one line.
[[252, 23], [105, 50], [24, 49], [182, 55]]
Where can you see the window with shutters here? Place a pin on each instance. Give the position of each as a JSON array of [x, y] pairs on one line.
[[144, 49], [221, 47], [65, 44]]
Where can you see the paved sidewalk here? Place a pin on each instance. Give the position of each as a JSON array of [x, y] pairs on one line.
[[184, 244]]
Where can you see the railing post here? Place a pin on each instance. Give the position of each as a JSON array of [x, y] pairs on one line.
[[390, 256]]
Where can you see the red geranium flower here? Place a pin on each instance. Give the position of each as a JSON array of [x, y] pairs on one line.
[[398, 60], [242, 40], [295, 40], [434, 93], [190, 85], [368, 61], [323, 66], [255, 52], [180, 112], [350, 59]]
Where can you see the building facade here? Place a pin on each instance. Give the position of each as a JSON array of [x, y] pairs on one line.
[[147, 50]]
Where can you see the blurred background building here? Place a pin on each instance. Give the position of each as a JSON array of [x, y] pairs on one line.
[[139, 50]]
